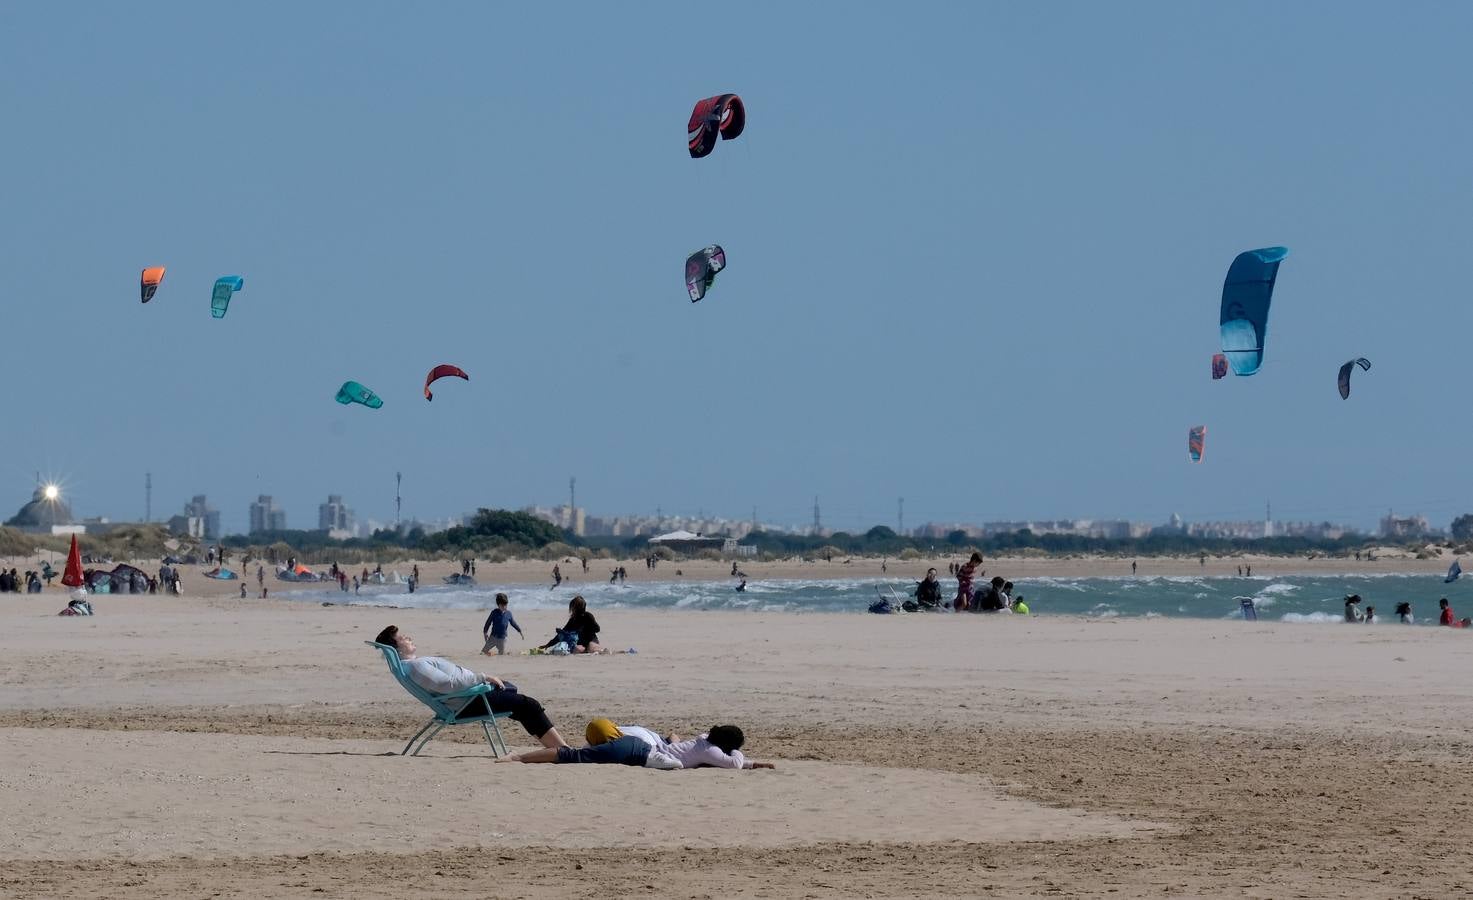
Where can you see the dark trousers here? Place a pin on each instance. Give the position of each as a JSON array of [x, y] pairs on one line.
[[627, 751], [524, 710]]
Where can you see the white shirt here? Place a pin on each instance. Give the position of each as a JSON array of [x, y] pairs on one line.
[[440, 676], [701, 752], [660, 756]]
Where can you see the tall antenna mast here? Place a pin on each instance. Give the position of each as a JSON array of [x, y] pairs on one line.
[[817, 524], [572, 494], [398, 480]]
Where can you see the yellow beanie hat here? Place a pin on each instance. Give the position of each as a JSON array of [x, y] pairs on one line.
[[601, 731]]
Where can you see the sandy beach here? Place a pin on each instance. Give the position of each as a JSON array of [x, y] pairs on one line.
[[208, 745]]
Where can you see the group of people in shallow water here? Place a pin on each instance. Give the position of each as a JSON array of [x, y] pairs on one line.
[[630, 745], [995, 595], [1445, 616]]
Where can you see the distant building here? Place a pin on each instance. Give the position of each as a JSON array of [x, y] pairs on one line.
[[1393, 526], [335, 518], [266, 515], [48, 516], [199, 520], [687, 542], [571, 518]]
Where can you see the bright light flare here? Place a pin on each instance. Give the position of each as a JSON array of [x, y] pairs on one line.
[[52, 492]]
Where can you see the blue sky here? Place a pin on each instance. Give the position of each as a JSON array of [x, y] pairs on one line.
[[975, 253]]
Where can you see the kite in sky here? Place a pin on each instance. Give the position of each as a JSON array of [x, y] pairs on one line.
[[1246, 294], [225, 288], [1345, 370], [1219, 366], [353, 392], [439, 372], [701, 268], [1196, 437], [722, 115], [149, 282]]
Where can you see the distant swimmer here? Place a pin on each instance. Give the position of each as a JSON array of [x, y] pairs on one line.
[[1020, 607], [1446, 617], [1404, 613], [743, 586]]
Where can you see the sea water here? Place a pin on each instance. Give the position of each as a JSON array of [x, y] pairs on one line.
[[1290, 598]]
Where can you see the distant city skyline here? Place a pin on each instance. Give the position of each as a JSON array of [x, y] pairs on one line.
[[336, 514]]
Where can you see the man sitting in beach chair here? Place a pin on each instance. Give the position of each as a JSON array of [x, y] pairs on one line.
[[438, 675]]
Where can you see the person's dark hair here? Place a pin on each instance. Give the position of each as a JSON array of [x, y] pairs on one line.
[[726, 738], [1007, 586], [388, 635], [1442, 604], [976, 557], [998, 581], [501, 600], [577, 604], [1403, 609]]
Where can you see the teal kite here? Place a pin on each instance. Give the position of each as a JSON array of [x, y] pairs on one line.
[[1246, 294], [225, 287], [353, 392]]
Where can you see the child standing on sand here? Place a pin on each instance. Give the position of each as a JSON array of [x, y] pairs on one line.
[[495, 627]]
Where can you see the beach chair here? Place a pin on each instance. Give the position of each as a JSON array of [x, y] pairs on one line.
[[441, 706]]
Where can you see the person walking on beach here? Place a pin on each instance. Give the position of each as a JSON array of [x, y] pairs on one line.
[[356, 584], [1132, 567], [964, 576], [557, 575], [495, 628]]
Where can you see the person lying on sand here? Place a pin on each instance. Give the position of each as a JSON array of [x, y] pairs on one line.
[[441, 676], [607, 744], [635, 745]]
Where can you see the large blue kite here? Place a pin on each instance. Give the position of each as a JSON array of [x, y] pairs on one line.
[[1246, 295]]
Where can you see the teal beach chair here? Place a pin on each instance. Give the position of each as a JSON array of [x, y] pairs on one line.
[[446, 711]]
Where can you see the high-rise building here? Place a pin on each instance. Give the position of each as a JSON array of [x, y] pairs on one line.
[[334, 516], [209, 518], [266, 515]]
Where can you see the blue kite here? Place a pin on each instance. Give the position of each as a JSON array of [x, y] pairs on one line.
[[1246, 295], [225, 288]]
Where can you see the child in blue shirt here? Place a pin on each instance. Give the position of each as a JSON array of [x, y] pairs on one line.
[[495, 627]]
